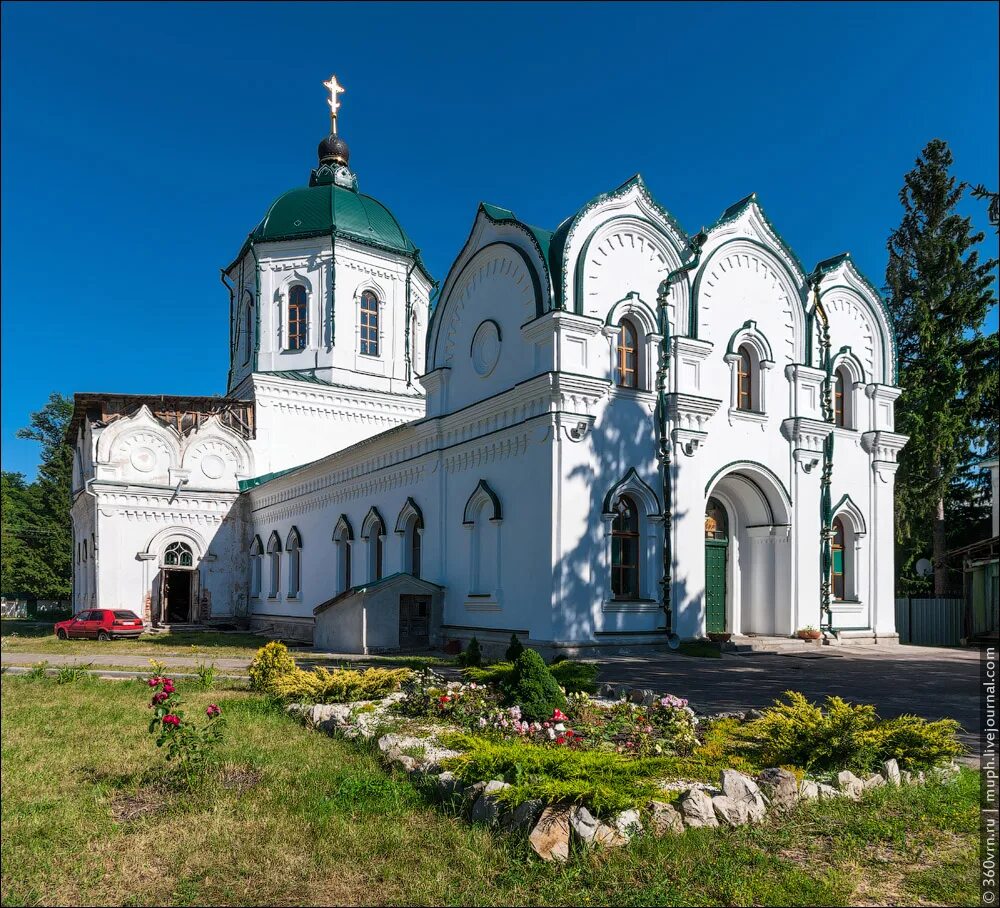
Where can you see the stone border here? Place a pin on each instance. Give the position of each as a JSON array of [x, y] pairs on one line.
[[737, 801]]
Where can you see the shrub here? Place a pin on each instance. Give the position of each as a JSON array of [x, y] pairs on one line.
[[797, 732], [514, 650], [473, 655], [37, 671], [604, 781], [575, 677], [532, 687], [342, 685], [269, 663]]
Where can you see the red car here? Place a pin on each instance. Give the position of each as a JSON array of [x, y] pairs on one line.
[[101, 624]]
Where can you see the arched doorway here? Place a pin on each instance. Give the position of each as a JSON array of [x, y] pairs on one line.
[[748, 565], [178, 577], [716, 561]]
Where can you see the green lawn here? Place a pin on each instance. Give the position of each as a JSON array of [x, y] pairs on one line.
[[300, 818], [28, 638]]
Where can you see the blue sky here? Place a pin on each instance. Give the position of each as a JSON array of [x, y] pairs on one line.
[[141, 142]]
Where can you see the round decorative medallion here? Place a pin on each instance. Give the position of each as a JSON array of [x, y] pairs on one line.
[[486, 347], [213, 466], [143, 459]]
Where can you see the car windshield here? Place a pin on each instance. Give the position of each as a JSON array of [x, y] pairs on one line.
[[126, 615]]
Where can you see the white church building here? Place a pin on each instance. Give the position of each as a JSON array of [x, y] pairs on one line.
[[608, 433]]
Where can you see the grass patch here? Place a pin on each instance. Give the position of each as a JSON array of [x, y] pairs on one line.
[[298, 818], [208, 644]]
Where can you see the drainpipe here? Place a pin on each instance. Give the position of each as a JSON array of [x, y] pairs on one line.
[[826, 478], [234, 329], [406, 327], [695, 245]]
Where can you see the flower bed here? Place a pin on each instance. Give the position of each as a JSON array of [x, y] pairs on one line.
[[599, 769]]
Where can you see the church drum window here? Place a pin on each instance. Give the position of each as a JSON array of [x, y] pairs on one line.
[[297, 317], [625, 550], [369, 324], [626, 355]]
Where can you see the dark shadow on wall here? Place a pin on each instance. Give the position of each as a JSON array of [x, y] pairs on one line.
[[624, 438]]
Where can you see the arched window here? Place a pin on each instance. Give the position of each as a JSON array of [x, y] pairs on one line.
[[745, 380], [369, 323], [409, 527], [838, 563], [297, 317], [841, 382], [178, 554], [625, 550], [247, 329], [293, 545], [343, 538], [415, 546], [373, 531], [274, 557], [256, 557], [626, 355]]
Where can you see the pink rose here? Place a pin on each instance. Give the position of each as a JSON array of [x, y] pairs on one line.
[[159, 697], [213, 711], [171, 719]]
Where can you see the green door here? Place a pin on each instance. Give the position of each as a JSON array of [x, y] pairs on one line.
[[716, 549]]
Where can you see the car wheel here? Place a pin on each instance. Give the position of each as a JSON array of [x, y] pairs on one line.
[[61, 634], [103, 636]]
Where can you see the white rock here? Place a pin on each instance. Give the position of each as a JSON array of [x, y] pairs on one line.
[[550, 837], [583, 824], [628, 823], [487, 808], [828, 792], [808, 790], [849, 784], [744, 791], [523, 817], [890, 769], [665, 819], [875, 781], [780, 787], [729, 811], [696, 808]]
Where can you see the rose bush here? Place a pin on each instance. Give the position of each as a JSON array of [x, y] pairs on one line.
[[188, 743]]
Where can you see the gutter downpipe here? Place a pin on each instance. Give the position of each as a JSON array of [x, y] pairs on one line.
[[233, 326], [826, 478], [695, 245]]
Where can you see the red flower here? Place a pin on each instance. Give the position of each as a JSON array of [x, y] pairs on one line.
[[561, 739], [444, 699], [171, 719], [168, 686], [154, 682], [558, 716], [213, 711], [159, 697]]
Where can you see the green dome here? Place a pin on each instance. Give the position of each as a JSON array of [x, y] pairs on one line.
[[327, 208]]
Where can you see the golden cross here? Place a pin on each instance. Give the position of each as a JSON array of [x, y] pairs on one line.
[[335, 88]]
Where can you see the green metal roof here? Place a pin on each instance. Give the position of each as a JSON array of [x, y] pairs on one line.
[[328, 208]]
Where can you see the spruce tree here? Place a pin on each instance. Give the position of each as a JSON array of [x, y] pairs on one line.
[[939, 294]]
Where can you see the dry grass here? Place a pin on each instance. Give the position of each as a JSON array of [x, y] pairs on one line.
[[294, 817]]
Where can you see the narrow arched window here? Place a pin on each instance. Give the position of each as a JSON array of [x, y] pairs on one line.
[[247, 330], [415, 546], [744, 380], [377, 567], [274, 556], [369, 323], [627, 355], [293, 545], [625, 550], [256, 557], [840, 385], [297, 317], [343, 541], [837, 571]]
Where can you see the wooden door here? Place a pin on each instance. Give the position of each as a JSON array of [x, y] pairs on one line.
[[414, 622]]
